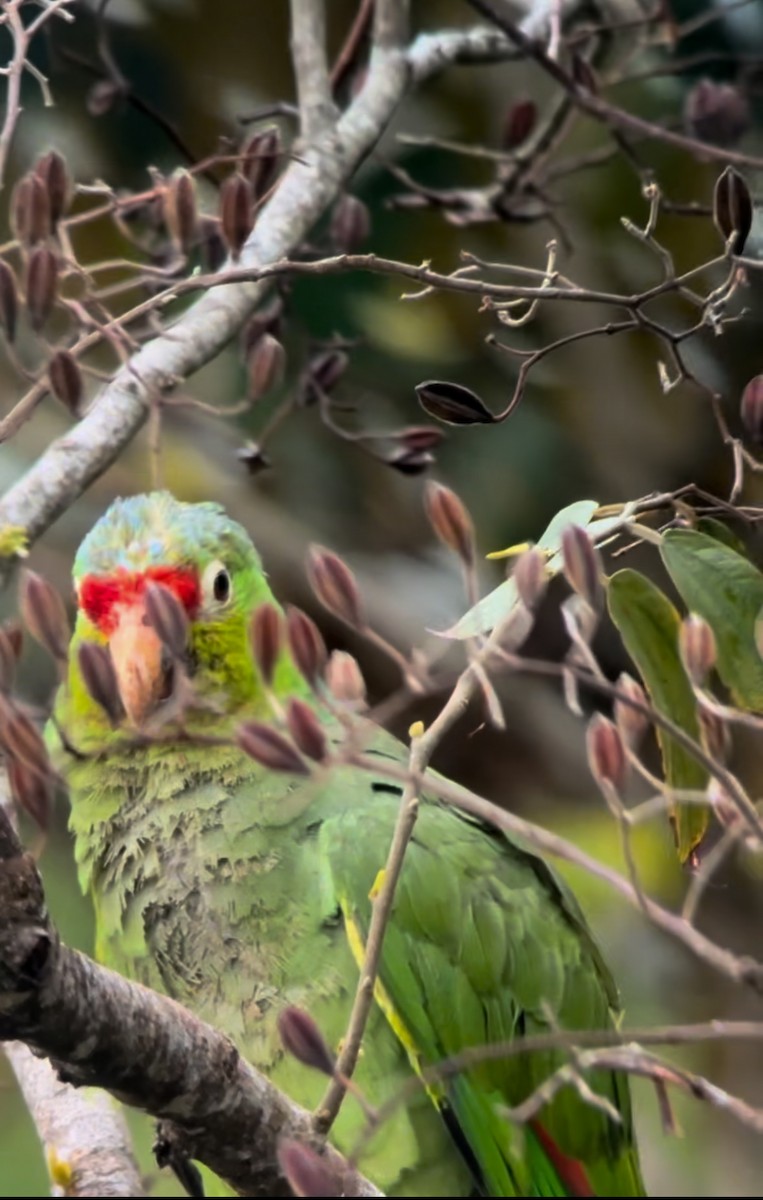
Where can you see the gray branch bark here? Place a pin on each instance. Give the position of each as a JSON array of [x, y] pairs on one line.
[[101, 1030]]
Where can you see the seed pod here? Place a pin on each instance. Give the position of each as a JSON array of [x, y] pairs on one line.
[[531, 577], [7, 662], [582, 566], [321, 375], [453, 404], [630, 721], [44, 614], [716, 112], [265, 633], [732, 209], [168, 618], [350, 224], [180, 210], [41, 285], [21, 739], [344, 679], [9, 300], [32, 791], [450, 521], [306, 1171], [66, 380], [266, 320], [306, 645], [752, 408], [211, 245], [30, 210], [51, 169], [260, 156], [253, 458], [266, 366], [606, 753], [102, 97], [696, 644], [99, 677], [335, 586], [270, 748], [305, 729], [303, 1039], [519, 123], [236, 218], [409, 462]]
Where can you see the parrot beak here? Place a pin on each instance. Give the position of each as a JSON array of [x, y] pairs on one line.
[[139, 663]]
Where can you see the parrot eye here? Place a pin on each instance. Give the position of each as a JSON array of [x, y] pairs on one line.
[[217, 586]]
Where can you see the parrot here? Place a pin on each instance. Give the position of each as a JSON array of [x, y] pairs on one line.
[[240, 890]]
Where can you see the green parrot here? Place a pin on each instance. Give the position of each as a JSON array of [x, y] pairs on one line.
[[239, 890]]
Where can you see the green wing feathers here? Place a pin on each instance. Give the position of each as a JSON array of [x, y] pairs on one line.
[[484, 945]]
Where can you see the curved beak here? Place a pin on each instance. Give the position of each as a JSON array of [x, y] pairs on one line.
[[139, 663]]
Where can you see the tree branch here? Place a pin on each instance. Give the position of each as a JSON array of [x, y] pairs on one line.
[[317, 112]]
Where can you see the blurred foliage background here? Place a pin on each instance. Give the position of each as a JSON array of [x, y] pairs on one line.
[[594, 423]]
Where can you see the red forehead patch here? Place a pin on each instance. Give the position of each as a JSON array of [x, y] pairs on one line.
[[102, 596]]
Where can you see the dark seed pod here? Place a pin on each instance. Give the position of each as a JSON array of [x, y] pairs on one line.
[[30, 210], [211, 245], [450, 521], [409, 462], [303, 1039], [32, 791], [51, 169], [306, 645], [519, 123], [66, 380], [99, 677], [266, 320], [266, 366], [41, 285], [168, 618], [453, 404], [265, 632], [350, 224], [334, 584], [236, 218], [732, 209], [321, 375], [253, 458], [8, 662], [44, 614], [582, 566], [180, 211], [606, 753], [260, 156], [270, 748], [306, 1171], [717, 113], [752, 408], [102, 97], [9, 300], [21, 739], [715, 734], [305, 729], [344, 679]]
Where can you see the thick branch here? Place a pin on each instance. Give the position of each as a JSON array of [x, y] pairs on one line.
[[86, 1141], [100, 1030], [317, 112]]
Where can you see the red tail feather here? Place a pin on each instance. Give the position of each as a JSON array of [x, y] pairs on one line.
[[571, 1172]]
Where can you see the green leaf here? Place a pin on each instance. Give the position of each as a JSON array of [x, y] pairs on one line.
[[649, 624], [727, 590], [721, 533]]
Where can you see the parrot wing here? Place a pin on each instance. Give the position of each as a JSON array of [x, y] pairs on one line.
[[485, 945]]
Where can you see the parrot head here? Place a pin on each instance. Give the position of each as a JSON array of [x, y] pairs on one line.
[[209, 564]]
